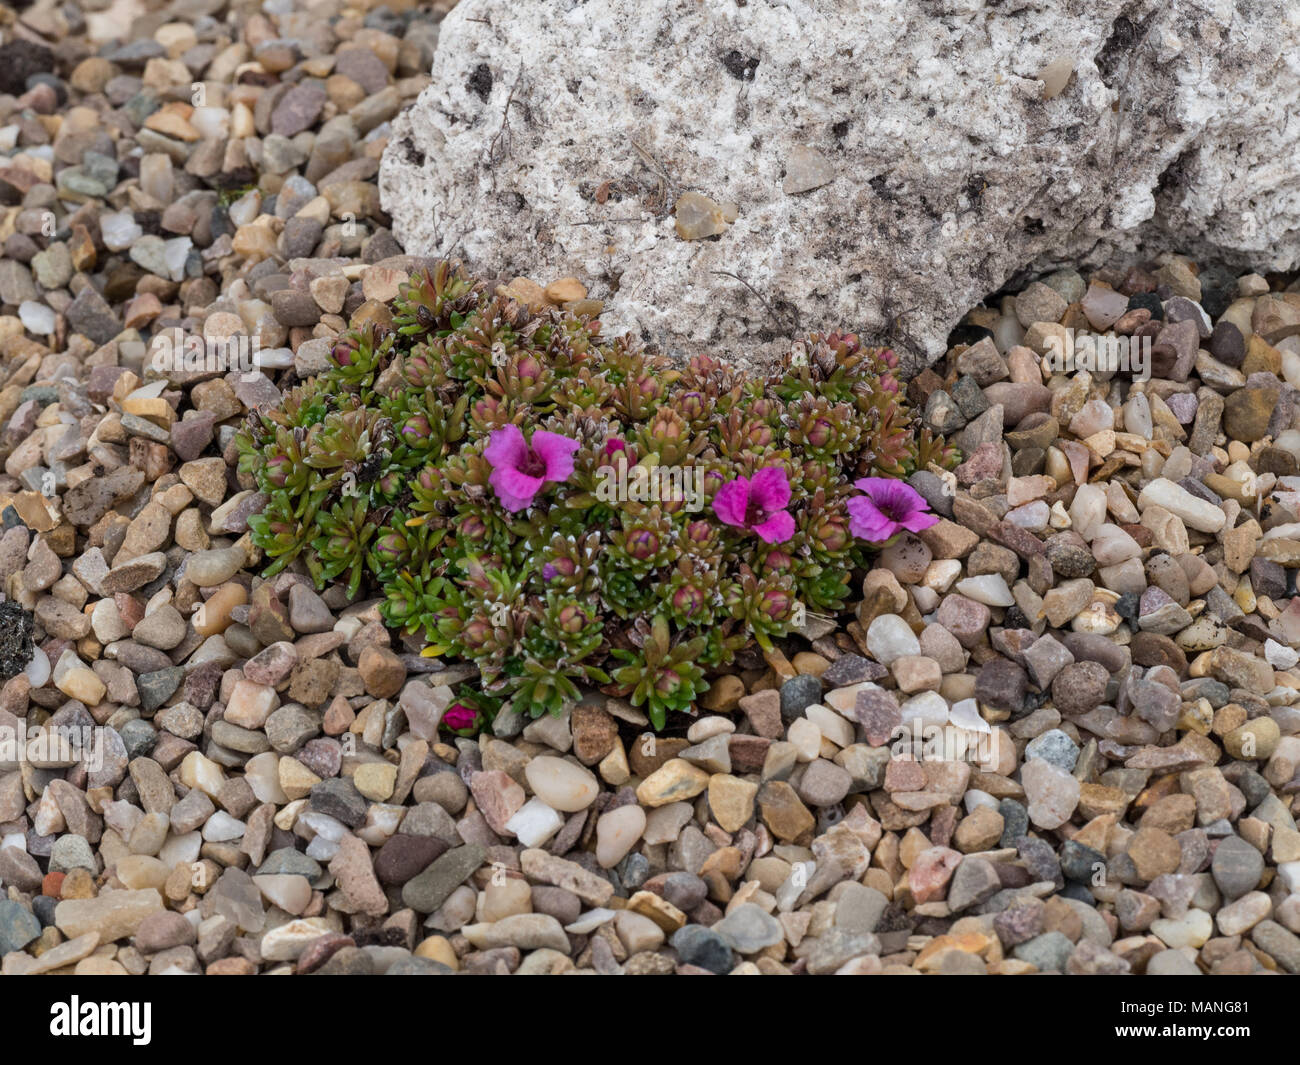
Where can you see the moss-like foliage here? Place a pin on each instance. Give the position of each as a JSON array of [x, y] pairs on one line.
[[396, 470]]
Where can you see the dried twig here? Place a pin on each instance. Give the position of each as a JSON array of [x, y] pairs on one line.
[[491, 151], [794, 323]]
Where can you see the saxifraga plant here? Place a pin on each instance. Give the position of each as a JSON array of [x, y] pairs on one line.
[[566, 510]]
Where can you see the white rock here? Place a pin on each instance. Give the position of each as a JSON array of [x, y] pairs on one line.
[[1290, 874], [1196, 513], [708, 727], [38, 669], [590, 921], [262, 772], [221, 828], [561, 784], [37, 318], [1137, 415], [925, 709], [1279, 656], [990, 589], [290, 891], [965, 713], [212, 123], [890, 637], [287, 941], [617, 832], [322, 849], [1190, 930], [323, 825], [200, 772], [1111, 545], [835, 728], [1052, 792], [119, 230], [806, 737], [940, 574], [1088, 510], [534, 823], [382, 820], [273, 359], [175, 252], [181, 850]]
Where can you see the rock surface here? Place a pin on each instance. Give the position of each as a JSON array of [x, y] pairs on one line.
[[883, 197]]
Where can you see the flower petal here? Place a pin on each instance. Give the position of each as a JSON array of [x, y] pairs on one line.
[[506, 447], [918, 520], [896, 497], [866, 522], [732, 501], [777, 529], [557, 452], [770, 488], [515, 490]]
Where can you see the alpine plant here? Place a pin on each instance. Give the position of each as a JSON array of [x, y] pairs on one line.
[[568, 511]]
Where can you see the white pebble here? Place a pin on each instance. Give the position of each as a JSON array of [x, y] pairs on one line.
[[561, 784], [119, 230], [590, 921], [1279, 656], [617, 832], [925, 709], [37, 318], [890, 637], [212, 123], [1196, 513], [38, 669], [990, 589], [534, 823]]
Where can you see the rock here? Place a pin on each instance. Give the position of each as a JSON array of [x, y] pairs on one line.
[[703, 947], [788, 221], [112, 915], [561, 784], [673, 781], [1236, 866], [18, 926], [431, 888], [1053, 793], [1047, 953], [747, 929]]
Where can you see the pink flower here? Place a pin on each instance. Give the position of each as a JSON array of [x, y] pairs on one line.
[[758, 504], [520, 471], [613, 444], [885, 508], [459, 716]]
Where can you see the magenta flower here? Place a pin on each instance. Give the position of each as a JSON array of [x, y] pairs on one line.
[[459, 716], [520, 470], [614, 444], [758, 504], [885, 508]]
